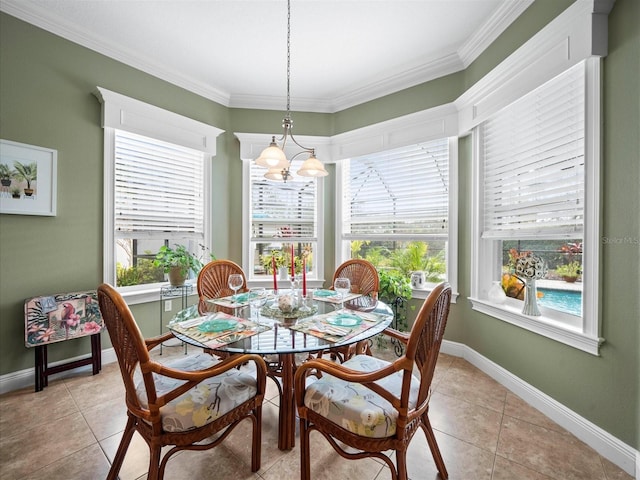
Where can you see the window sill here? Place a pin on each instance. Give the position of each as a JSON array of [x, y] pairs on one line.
[[542, 325], [135, 296], [423, 293]]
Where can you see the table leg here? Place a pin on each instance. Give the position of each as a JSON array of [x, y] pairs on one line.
[[287, 418], [40, 366]]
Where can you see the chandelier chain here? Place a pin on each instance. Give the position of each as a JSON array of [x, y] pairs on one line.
[[288, 58]]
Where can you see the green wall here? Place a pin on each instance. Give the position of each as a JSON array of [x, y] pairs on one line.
[[46, 99]]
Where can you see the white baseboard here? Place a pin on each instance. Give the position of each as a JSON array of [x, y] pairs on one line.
[[616, 451], [26, 378]]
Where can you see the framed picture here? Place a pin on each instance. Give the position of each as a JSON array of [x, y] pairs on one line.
[[28, 177]]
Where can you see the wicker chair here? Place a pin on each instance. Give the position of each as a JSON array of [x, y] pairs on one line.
[[364, 279], [362, 274], [213, 283], [396, 401], [157, 395]]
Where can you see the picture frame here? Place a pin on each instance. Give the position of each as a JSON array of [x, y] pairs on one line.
[[28, 177]]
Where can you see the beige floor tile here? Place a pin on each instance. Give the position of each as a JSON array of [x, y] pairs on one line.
[[504, 469], [32, 449], [613, 472], [518, 408], [465, 421], [464, 381], [27, 407], [136, 461], [107, 419], [90, 391], [554, 454], [89, 463], [463, 460]]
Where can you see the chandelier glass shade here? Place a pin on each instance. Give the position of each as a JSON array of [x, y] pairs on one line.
[[273, 157]]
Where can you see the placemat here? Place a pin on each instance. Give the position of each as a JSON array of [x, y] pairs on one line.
[[334, 297], [239, 300], [331, 327], [215, 338]]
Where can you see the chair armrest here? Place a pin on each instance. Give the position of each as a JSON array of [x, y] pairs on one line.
[[397, 334], [153, 342]]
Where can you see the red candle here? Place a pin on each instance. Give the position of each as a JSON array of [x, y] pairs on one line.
[[304, 277], [275, 280], [293, 263]]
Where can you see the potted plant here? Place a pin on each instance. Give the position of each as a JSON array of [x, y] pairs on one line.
[[177, 263], [569, 272], [5, 174], [27, 173], [15, 192]]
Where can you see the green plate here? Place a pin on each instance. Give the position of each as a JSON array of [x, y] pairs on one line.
[[325, 293], [210, 326], [240, 298], [345, 320]]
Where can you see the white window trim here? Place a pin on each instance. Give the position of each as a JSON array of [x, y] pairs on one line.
[[120, 112], [414, 128], [251, 144], [579, 33]]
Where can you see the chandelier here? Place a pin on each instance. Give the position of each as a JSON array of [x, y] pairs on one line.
[[273, 157]]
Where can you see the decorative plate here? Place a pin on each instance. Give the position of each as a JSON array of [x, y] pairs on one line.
[[344, 320], [325, 293], [219, 325]]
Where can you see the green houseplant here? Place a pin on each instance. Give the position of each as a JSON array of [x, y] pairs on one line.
[[569, 272], [177, 263]]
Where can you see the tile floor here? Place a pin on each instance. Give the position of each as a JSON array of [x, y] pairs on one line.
[[71, 431]]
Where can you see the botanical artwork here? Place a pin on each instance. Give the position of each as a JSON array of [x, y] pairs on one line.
[[60, 317], [27, 179]]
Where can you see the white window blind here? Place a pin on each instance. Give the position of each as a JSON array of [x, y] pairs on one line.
[[404, 191], [534, 163], [282, 210], [159, 189]]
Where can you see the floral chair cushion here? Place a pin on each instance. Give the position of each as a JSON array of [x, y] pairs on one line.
[[204, 403], [355, 407]]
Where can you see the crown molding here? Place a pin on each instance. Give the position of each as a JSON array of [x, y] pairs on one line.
[[423, 71], [506, 14], [85, 38]]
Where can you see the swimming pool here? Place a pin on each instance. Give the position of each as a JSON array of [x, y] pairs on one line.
[[563, 300]]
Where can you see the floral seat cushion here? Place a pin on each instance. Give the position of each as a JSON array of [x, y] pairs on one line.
[[204, 403], [355, 407]]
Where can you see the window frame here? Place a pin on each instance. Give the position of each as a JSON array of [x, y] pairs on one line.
[[451, 252], [486, 253], [251, 145], [120, 112]]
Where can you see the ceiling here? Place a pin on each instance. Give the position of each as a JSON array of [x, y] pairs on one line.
[[343, 52]]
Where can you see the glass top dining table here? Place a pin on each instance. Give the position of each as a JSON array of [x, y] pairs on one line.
[[281, 341]]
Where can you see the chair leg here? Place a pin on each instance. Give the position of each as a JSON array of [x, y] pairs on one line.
[[305, 461], [129, 430], [257, 440], [154, 462], [401, 464], [433, 445]]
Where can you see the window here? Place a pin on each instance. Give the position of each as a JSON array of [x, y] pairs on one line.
[[159, 200], [532, 196], [396, 208], [156, 190], [283, 215]]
